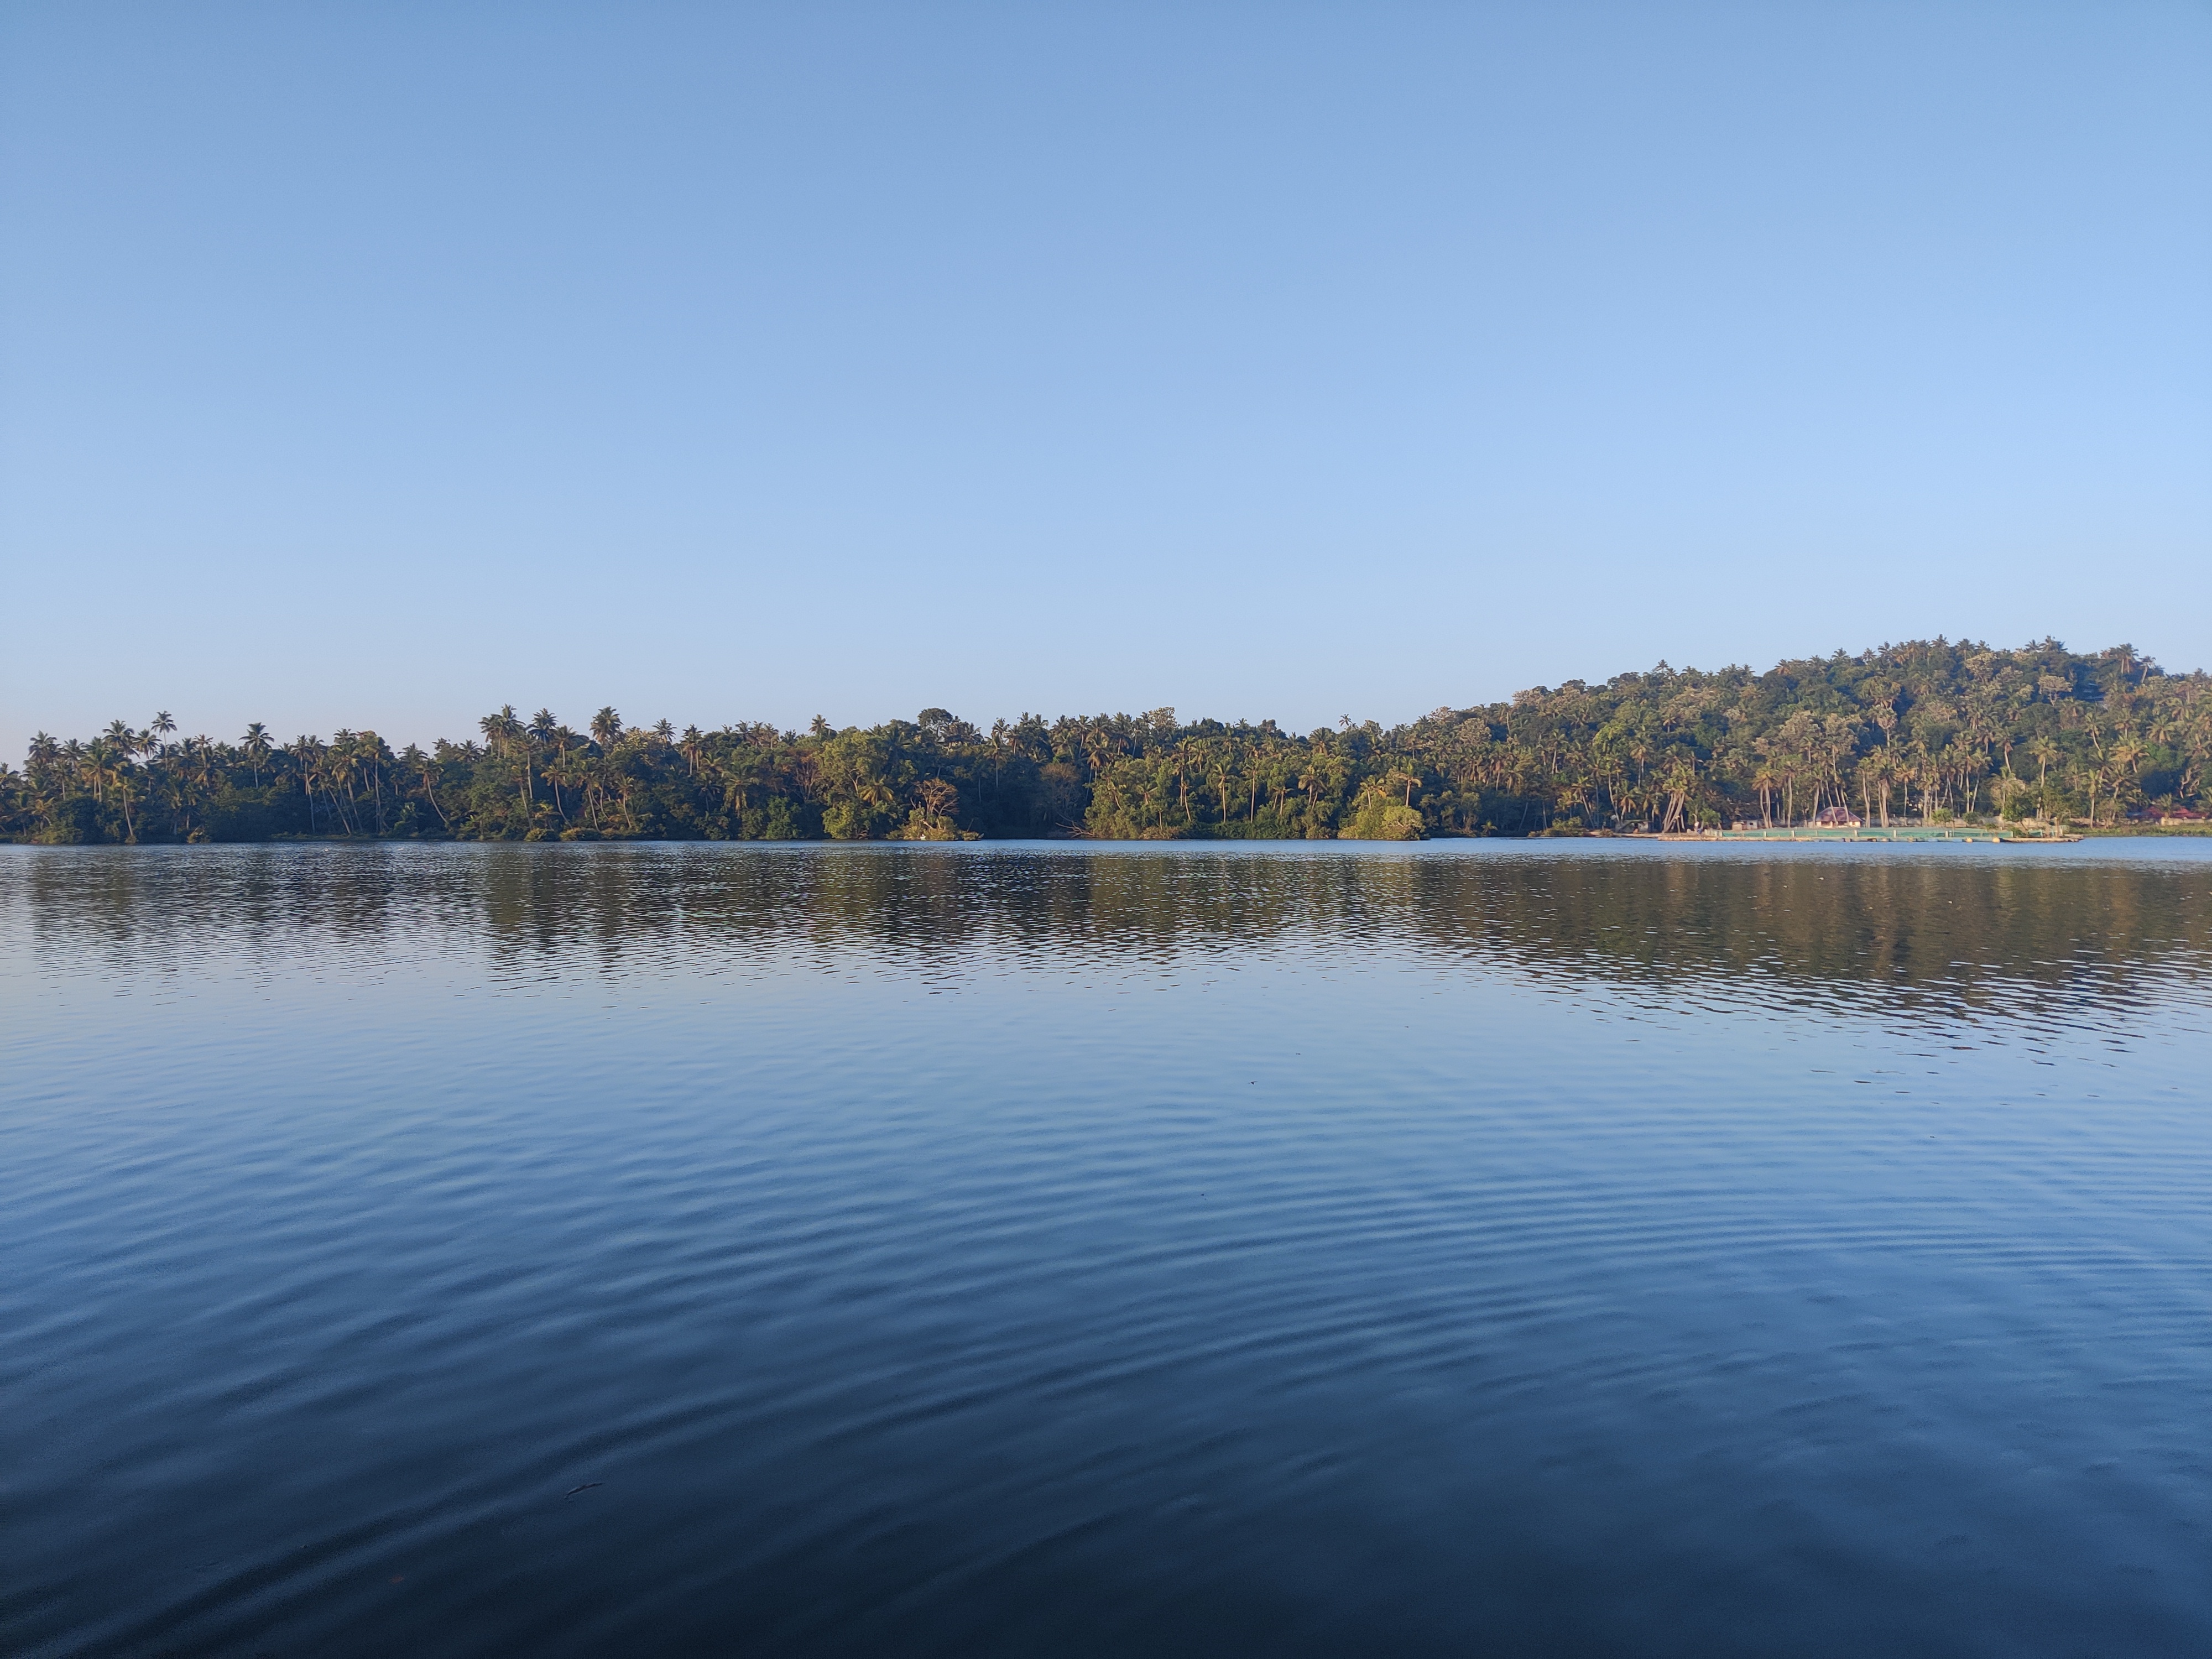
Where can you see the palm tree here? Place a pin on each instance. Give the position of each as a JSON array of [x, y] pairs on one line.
[[112, 774], [191, 780], [93, 762], [569, 766], [428, 769], [1679, 782], [2122, 769], [1220, 760], [507, 737], [874, 792], [256, 746], [2043, 752], [374, 755], [1887, 771], [305, 753], [339, 762], [126, 788], [740, 773], [2089, 777]]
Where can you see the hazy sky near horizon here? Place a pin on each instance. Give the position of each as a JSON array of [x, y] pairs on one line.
[[376, 366]]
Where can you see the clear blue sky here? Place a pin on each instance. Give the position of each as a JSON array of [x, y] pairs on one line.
[[377, 365]]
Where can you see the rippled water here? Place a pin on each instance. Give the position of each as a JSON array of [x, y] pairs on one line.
[[1464, 1247]]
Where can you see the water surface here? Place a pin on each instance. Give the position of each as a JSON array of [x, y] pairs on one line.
[[1011, 1249]]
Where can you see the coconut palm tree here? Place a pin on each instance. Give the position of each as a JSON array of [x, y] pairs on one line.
[[508, 739], [255, 746], [428, 770]]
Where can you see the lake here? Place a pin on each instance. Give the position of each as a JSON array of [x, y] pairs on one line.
[[1467, 1247]]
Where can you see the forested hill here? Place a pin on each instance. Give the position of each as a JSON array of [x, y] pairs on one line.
[[1921, 730]]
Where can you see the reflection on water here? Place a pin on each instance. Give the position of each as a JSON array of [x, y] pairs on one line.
[[1965, 923], [1536, 1248]]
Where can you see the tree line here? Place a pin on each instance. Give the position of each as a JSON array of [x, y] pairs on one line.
[[1926, 731]]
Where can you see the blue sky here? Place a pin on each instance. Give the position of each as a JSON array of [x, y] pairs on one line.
[[376, 366]]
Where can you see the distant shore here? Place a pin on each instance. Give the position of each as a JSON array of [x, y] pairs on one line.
[[1926, 734]]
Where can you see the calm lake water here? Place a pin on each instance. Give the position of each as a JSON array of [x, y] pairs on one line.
[[1015, 1249]]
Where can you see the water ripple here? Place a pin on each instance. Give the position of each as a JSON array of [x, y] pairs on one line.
[[1560, 1248]]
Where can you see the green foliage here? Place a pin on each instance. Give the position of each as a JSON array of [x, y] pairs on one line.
[[1382, 820], [1923, 731]]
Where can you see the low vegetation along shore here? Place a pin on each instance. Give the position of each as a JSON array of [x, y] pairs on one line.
[[1924, 732]]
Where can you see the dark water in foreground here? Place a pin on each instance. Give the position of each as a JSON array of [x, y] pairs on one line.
[[1457, 1248]]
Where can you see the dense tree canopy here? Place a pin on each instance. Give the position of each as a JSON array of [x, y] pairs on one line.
[[1921, 731]]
